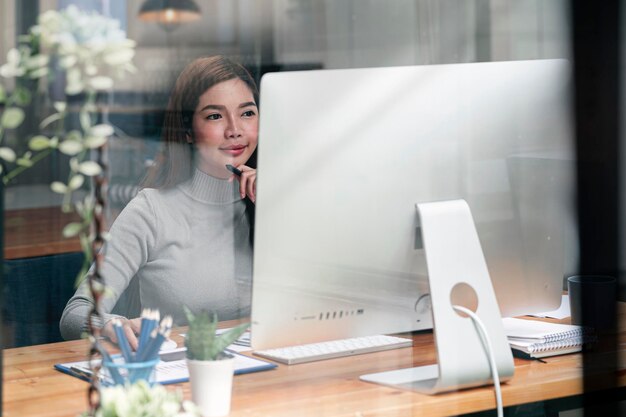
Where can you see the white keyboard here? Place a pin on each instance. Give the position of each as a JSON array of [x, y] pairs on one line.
[[334, 349]]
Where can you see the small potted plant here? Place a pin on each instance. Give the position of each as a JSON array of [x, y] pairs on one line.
[[211, 369]]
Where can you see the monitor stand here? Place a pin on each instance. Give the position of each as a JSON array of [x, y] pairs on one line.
[[458, 275]]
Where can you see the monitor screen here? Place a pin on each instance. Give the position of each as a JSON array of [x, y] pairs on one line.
[[344, 156]]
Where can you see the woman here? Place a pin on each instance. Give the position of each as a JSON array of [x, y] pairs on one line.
[[185, 238]]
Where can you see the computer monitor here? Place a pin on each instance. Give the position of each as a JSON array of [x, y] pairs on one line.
[[344, 156]]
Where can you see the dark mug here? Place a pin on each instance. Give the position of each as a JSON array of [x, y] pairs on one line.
[[593, 300]]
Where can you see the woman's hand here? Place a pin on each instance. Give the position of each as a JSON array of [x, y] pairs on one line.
[[131, 330], [247, 182]]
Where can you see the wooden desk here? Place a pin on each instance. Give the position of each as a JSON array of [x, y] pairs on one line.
[[37, 232], [327, 388]]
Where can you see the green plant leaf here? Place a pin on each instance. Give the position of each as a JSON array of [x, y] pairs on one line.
[[90, 168], [3, 94], [81, 274], [222, 341], [85, 245], [60, 106], [93, 142], [58, 187], [76, 182], [85, 120], [38, 73], [39, 143], [7, 154], [101, 130], [74, 135], [12, 117], [70, 147], [188, 314], [22, 96], [74, 164], [25, 162], [72, 229], [54, 142], [201, 336], [52, 118]]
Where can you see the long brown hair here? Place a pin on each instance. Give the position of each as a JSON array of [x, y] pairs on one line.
[[175, 162]]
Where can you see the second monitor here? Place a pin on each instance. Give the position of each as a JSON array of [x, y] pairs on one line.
[[344, 156]]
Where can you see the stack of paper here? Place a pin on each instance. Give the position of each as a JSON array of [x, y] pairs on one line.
[[537, 339]]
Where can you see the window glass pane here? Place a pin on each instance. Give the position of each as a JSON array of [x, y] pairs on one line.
[[175, 97]]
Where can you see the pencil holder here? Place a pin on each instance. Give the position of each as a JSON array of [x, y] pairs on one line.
[[130, 372]]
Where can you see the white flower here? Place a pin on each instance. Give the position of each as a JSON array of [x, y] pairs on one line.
[[119, 56], [68, 61], [37, 61], [13, 67], [140, 399], [81, 39]]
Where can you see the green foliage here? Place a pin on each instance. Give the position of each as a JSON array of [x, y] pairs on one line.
[[202, 343], [12, 117], [142, 400], [22, 96], [89, 51]]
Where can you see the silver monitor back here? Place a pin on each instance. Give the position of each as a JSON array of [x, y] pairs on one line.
[[344, 156]]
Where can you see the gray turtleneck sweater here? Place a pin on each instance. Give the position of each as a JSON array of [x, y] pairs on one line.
[[188, 245]]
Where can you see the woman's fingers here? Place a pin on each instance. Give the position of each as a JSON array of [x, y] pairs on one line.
[[130, 335], [130, 328], [107, 331], [251, 186], [247, 182], [135, 324]]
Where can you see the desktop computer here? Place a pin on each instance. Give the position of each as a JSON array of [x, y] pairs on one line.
[[344, 157]]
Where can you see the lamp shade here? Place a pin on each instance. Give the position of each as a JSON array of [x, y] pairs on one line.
[[169, 12]]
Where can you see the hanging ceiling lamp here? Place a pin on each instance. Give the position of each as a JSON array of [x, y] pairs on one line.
[[169, 13]]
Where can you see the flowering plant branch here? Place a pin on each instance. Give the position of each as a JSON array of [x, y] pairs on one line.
[[84, 53], [90, 51]]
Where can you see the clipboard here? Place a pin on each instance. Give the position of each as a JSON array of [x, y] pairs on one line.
[[172, 369]]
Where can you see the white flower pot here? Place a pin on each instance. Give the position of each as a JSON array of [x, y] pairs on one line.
[[211, 385]]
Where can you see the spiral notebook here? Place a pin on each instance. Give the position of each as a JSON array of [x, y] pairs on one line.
[[538, 339]]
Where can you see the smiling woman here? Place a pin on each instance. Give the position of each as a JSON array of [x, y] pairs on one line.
[[225, 130], [185, 239]]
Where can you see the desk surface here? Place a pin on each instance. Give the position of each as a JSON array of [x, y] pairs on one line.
[[327, 388], [37, 232]]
